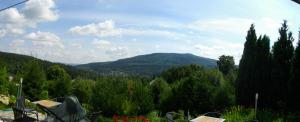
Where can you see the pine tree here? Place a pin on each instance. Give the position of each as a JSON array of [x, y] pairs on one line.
[[295, 80], [245, 86], [282, 53]]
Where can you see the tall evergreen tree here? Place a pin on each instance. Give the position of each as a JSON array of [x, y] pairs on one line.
[[295, 80], [245, 86], [263, 69], [282, 53]]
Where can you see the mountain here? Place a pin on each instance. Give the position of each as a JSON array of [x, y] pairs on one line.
[[143, 65], [146, 65], [15, 62]]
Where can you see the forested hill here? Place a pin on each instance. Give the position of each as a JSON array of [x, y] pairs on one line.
[[144, 65], [16, 62], [147, 65]]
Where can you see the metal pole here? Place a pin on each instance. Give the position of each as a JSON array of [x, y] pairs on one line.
[[21, 86], [256, 99]]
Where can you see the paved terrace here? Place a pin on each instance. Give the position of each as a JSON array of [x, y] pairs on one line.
[[8, 116]]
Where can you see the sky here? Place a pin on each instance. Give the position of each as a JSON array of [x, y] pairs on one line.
[[84, 31]]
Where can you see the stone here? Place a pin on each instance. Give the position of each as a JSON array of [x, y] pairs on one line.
[[4, 99]]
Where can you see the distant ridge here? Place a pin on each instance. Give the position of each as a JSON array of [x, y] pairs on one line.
[[142, 65], [15, 62], [146, 65]]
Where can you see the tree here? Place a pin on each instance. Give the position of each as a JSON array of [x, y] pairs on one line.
[[108, 95], [226, 64], [121, 95], [141, 97], [83, 90], [282, 53], [158, 88], [263, 69], [34, 84], [4, 83], [60, 81], [197, 87], [244, 81], [294, 84]]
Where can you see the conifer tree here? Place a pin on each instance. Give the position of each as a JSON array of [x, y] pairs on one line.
[[245, 78], [263, 69], [295, 80], [282, 53]]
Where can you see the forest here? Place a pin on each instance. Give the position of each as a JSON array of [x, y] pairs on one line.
[[272, 72]]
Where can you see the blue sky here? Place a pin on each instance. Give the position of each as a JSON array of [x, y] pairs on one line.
[[83, 31]]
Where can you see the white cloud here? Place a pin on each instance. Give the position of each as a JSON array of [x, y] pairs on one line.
[[117, 52], [16, 43], [44, 39], [40, 10], [11, 22], [232, 25], [108, 29], [2, 32], [15, 21], [16, 46], [100, 44], [217, 47], [77, 45]]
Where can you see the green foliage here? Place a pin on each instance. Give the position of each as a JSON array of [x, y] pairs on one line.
[[160, 90], [15, 64], [3, 106], [241, 114], [261, 78], [140, 95], [226, 64], [4, 83], [224, 96], [281, 65], [244, 82], [121, 95], [108, 95], [194, 88], [34, 84], [60, 81], [274, 75], [83, 89], [177, 73], [294, 84]]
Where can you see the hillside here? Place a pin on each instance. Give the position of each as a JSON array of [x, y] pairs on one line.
[[146, 65], [15, 62]]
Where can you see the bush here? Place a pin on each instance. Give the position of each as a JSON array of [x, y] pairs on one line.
[[240, 114], [121, 95], [34, 84], [83, 90], [59, 81], [4, 84]]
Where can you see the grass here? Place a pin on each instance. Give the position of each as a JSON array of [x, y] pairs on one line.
[[240, 114], [3, 107]]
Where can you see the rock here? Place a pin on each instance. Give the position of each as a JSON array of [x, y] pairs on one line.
[[4, 99]]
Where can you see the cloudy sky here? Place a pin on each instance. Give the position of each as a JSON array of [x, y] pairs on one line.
[[82, 31]]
